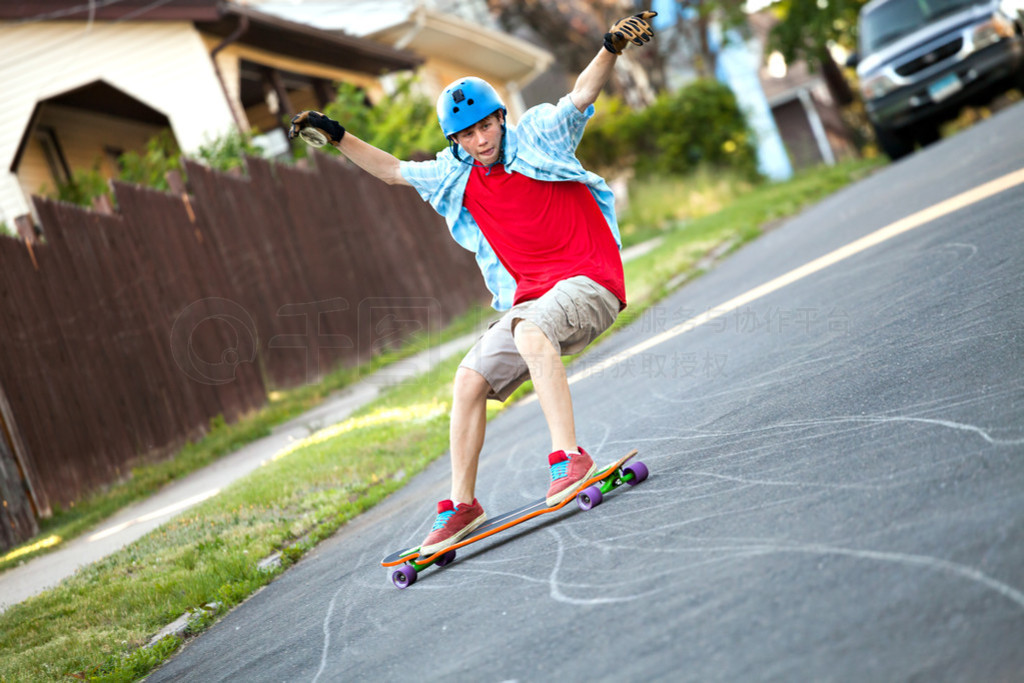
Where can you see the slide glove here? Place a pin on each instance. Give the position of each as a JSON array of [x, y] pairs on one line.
[[634, 29], [316, 129]]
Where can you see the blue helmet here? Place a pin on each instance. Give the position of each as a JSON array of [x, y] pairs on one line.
[[466, 101]]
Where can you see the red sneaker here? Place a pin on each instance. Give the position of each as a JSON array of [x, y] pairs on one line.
[[567, 473], [453, 523]]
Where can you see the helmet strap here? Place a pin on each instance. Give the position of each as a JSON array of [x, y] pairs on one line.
[[454, 146], [504, 138]]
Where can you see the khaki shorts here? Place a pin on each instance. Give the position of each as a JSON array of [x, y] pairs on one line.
[[571, 315]]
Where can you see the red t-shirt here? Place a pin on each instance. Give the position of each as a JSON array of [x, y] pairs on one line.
[[544, 232]]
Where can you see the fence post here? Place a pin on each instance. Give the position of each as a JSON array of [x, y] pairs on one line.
[[19, 506], [27, 231]]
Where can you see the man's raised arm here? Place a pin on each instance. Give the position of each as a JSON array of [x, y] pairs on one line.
[[634, 29]]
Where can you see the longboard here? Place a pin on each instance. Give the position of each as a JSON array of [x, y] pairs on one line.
[[590, 494]]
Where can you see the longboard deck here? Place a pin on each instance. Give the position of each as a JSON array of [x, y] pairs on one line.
[[503, 521]]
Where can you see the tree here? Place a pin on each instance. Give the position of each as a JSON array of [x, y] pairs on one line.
[[404, 122], [695, 18], [571, 29], [807, 28], [574, 31]]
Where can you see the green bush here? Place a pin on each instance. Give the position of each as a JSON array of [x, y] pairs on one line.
[[698, 125], [402, 123], [229, 150], [150, 168], [608, 143], [83, 187]]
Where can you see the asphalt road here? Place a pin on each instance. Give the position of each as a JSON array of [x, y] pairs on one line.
[[836, 490]]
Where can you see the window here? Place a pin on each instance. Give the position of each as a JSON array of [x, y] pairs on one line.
[[113, 157], [58, 164]]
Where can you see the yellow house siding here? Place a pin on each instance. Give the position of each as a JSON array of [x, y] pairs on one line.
[[83, 137]]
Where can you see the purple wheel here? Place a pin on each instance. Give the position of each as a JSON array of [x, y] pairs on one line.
[[638, 470], [446, 559], [589, 497], [404, 576]]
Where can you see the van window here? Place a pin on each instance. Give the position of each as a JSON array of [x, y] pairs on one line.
[[892, 20]]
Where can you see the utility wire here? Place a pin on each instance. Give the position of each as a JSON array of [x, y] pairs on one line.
[[91, 7]]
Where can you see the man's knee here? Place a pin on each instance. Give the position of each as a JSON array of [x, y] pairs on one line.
[[470, 385], [530, 339]]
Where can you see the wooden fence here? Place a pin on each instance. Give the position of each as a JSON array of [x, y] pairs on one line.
[[125, 332]]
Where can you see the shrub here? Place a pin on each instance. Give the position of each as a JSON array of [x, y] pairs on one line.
[[83, 186], [698, 125], [402, 123], [229, 150], [608, 144], [150, 168]]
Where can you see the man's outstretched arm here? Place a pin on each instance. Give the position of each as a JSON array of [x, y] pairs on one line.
[[590, 82], [318, 130], [371, 159]]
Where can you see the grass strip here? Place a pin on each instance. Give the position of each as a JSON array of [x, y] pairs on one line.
[[95, 624]]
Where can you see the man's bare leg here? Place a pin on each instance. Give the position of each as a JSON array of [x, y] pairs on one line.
[[550, 383], [468, 424]]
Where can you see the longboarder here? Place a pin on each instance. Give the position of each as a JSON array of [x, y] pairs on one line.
[[545, 236]]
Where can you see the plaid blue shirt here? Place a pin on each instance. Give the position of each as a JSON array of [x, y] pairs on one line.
[[542, 147]]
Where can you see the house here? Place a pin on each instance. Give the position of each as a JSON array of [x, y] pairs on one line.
[[455, 39], [806, 113], [85, 82], [803, 112]]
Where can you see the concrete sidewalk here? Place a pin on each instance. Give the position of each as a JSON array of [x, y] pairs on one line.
[[138, 519]]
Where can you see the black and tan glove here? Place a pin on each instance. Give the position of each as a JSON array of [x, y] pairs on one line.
[[316, 129], [634, 29]]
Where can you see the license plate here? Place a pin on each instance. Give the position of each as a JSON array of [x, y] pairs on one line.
[[944, 87]]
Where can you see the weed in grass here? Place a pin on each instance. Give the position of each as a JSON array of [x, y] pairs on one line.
[[124, 668]]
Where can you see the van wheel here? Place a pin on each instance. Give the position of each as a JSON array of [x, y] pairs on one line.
[[896, 144]]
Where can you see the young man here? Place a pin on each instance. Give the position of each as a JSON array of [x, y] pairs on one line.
[[546, 239]]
